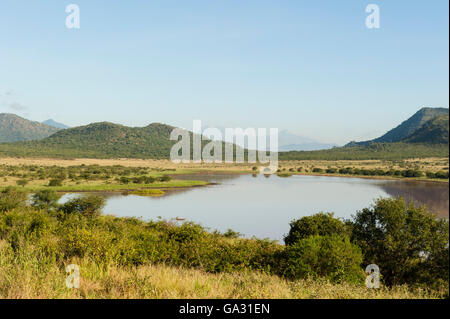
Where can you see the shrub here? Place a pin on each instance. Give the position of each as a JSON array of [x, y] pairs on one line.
[[412, 173], [443, 175], [45, 199], [22, 182], [11, 198], [165, 178], [317, 170], [89, 206], [323, 224], [55, 182], [331, 257], [124, 180], [408, 243]]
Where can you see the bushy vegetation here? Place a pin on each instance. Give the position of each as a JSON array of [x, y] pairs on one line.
[[408, 243], [375, 151], [319, 247], [321, 224], [407, 173], [92, 177]]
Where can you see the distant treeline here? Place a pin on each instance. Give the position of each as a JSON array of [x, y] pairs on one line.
[[381, 172], [375, 151]]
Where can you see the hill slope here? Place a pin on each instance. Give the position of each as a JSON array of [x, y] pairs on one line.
[[408, 127], [14, 128], [434, 131], [100, 140]]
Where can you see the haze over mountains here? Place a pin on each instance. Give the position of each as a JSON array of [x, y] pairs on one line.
[[53, 123], [288, 141]]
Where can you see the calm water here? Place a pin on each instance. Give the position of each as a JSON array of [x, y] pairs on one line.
[[263, 207]]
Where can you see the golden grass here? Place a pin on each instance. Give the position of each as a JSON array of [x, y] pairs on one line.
[[164, 282]]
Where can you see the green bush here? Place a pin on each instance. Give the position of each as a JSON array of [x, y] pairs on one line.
[[442, 175], [165, 178], [45, 199], [22, 182], [317, 170], [408, 243], [55, 182], [11, 198], [323, 224], [332, 257], [89, 205]]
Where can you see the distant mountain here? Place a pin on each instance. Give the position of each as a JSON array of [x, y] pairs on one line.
[[408, 127], [14, 128], [434, 131], [288, 141], [425, 134], [99, 140], [306, 147], [53, 123]]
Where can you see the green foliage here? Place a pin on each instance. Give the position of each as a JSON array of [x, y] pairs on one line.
[[408, 243], [322, 224], [11, 198], [22, 182], [88, 205], [374, 151], [332, 257], [55, 182], [165, 178], [45, 199]]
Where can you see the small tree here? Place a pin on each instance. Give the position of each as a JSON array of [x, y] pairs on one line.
[[11, 198], [22, 182], [408, 243], [89, 206], [323, 224], [55, 182], [332, 257], [45, 199]]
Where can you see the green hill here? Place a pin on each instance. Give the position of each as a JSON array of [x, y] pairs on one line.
[[108, 140], [408, 127], [434, 131], [425, 134], [99, 140], [14, 128]]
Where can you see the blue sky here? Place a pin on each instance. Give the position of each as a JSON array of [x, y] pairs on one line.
[[311, 67]]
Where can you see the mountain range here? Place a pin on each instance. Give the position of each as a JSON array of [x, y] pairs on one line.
[[428, 125], [13, 128], [424, 134]]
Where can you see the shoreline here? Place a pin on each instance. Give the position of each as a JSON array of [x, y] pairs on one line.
[[387, 178]]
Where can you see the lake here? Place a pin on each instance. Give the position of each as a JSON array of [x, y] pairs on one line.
[[263, 206]]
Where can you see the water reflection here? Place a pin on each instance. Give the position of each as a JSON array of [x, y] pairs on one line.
[[263, 206], [434, 195]]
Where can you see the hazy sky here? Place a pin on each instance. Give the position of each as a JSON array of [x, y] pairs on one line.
[[311, 67]]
